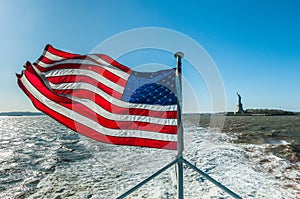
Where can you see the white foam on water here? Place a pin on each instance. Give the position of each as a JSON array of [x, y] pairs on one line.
[[252, 171], [249, 170]]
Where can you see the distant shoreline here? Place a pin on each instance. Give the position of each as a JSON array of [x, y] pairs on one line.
[[262, 112], [257, 113], [20, 113], [253, 112]]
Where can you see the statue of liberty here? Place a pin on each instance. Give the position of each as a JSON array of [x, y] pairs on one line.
[[239, 98], [239, 106]]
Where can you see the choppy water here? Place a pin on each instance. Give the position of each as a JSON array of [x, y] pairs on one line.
[[257, 157]]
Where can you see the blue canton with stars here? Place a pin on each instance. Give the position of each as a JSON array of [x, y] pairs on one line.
[[151, 88]]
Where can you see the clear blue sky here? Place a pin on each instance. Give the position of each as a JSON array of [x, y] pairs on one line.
[[255, 44]]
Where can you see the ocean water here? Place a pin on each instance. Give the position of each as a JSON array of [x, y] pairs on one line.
[[256, 157]]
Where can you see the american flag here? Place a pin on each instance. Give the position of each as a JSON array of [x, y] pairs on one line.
[[100, 98]]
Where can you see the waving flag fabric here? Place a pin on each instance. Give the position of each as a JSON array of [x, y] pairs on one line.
[[102, 99]]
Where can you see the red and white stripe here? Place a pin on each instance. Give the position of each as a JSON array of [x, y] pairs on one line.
[[84, 93]]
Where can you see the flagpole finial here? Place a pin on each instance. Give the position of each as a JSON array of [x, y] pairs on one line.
[[179, 54]]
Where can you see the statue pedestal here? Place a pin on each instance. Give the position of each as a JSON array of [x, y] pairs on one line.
[[239, 109]]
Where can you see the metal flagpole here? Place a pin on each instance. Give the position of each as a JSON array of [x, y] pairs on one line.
[[179, 159], [180, 146], [179, 56]]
